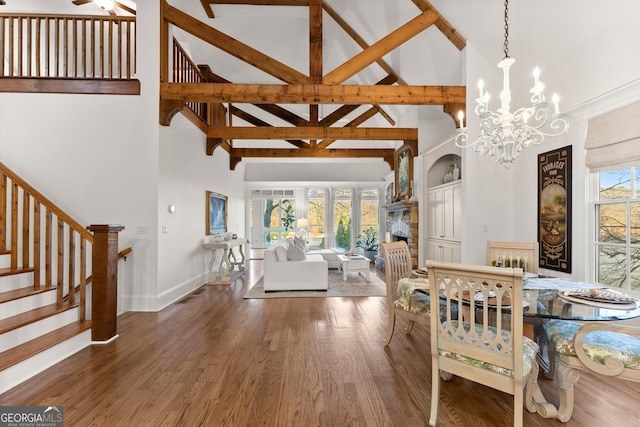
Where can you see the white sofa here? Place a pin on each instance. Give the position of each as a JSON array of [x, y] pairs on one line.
[[330, 255], [280, 274]]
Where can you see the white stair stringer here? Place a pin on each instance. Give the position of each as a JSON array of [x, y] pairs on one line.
[[21, 305], [29, 368], [33, 330]]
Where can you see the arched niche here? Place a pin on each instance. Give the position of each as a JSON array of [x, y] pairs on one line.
[[438, 160]]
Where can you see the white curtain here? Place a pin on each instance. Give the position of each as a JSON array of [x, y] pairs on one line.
[[613, 139]]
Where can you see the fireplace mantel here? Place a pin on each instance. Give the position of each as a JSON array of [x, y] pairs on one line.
[[402, 224]]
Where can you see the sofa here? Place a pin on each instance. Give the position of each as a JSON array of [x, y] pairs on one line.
[[291, 269], [330, 255]]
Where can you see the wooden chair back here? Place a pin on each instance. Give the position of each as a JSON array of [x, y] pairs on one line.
[[484, 297], [397, 263], [514, 254], [406, 303]]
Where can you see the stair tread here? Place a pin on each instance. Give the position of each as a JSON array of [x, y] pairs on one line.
[[8, 271], [28, 349], [21, 293], [22, 319]]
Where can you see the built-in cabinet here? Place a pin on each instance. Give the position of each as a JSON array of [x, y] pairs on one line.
[[443, 222], [443, 178]]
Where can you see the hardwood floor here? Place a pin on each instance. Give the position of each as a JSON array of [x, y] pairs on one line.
[[216, 359]]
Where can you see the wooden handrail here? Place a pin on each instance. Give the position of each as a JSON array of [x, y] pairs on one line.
[[43, 237], [123, 253]]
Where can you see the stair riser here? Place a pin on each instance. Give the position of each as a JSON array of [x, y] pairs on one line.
[[22, 371], [5, 261], [28, 332], [21, 305], [16, 281]]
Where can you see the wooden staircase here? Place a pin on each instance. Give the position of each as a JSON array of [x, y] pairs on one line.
[[46, 263]]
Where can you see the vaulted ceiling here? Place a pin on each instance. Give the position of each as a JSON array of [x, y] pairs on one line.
[[312, 79]]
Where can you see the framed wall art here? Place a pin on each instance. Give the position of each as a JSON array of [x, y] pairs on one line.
[[554, 209], [216, 213], [403, 172]]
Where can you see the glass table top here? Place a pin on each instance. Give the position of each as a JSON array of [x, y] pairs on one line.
[[546, 300]]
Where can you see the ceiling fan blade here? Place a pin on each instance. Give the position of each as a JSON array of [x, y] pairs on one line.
[[112, 12], [81, 2], [2, 3]]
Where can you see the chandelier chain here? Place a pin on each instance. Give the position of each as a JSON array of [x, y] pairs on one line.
[[506, 29]]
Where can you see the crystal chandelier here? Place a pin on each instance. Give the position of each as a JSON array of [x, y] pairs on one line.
[[504, 134]]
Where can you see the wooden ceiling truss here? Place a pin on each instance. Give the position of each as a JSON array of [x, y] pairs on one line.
[[312, 136]]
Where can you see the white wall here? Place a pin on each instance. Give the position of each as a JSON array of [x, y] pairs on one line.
[[186, 173]]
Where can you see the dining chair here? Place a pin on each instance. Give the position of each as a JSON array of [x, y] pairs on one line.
[[497, 356], [402, 301], [524, 253], [606, 349]]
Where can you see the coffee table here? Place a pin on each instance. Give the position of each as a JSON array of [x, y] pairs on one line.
[[354, 264]]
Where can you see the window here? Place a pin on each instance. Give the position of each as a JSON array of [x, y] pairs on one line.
[[317, 205], [617, 221], [342, 215], [369, 210], [272, 219]]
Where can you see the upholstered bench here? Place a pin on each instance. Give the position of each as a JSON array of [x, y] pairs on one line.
[[603, 348]]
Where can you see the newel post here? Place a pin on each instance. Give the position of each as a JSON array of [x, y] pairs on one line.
[[104, 295]]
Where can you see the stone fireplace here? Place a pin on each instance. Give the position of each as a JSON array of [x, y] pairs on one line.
[[402, 224]]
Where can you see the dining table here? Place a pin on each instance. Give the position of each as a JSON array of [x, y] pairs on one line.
[[547, 298]]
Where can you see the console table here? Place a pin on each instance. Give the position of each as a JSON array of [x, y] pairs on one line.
[[228, 262]]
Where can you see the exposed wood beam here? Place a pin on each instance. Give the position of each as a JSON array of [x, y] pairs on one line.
[[443, 25], [276, 110], [346, 109], [236, 154], [232, 46], [360, 41], [350, 133], [315, 41], [452, 109], [125, 8], [313, 94], [353, 123], [381, 48], [257, 122], [315, 56], [206, 4]]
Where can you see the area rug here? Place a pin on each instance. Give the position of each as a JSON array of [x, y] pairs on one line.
[[355, 286]]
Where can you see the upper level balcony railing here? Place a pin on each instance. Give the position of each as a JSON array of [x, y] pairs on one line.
[[42, 46]]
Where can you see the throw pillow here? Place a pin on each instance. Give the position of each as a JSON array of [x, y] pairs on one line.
[[281, 253], [294, 253], [301, 243]]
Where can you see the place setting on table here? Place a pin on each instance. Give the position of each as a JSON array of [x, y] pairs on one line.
[[567, 299]]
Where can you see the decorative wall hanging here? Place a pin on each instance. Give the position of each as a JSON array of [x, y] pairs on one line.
[[554, 209], [216, 213], [403, 172]]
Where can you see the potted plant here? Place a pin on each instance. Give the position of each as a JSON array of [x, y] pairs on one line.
[[368, 242]]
